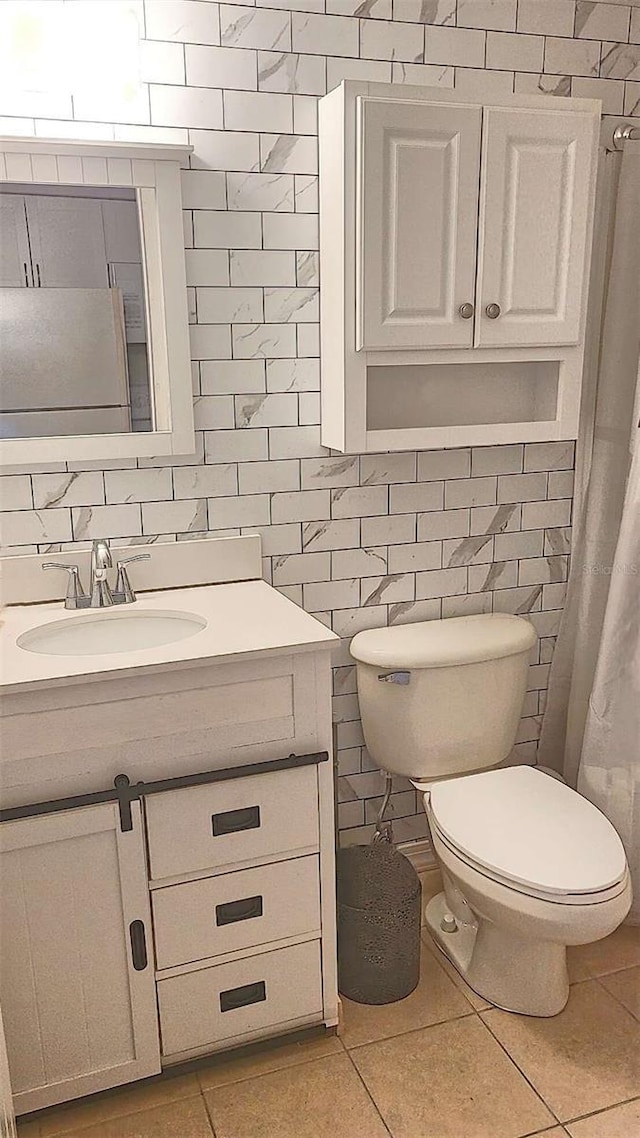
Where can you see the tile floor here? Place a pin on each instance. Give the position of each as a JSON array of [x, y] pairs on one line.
[[440, 1064]]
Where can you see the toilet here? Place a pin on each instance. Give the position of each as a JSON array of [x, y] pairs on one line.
[[529, 866]]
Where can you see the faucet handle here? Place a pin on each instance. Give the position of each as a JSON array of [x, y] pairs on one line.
[[136, 557], [123, 584], [75, 592]]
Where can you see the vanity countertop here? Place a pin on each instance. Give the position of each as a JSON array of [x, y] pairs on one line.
[[242, 618]]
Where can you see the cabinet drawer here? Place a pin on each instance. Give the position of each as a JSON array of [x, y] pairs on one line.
[[201, 1008], [227, 823], [238, 910]]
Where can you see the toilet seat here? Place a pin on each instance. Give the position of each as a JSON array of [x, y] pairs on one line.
[[530, 832]]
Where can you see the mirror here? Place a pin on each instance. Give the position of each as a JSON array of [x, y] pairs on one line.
[[74, 356], [94, 340]]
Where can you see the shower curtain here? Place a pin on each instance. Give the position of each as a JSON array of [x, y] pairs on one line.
[[591, 728], [7, 1117]]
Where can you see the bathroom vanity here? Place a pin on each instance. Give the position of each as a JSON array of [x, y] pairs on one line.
[[167, 840]]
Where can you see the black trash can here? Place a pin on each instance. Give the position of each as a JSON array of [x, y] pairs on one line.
[[378, 924]]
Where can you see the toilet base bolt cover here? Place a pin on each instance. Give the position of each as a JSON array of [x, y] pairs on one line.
[[448, 924]]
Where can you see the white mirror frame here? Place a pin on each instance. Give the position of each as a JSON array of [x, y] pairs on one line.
[[154, 172]]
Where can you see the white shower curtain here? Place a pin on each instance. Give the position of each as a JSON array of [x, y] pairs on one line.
[[591, 729], [7, 1117]]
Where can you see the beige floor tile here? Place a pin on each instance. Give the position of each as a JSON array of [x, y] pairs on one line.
[[620, 950], [619, 1122], [185, 1119], [314, 1100], [449, 1081], [476, 1001], [435, 999], [585, 1059], [576, 965], [625, 986], [234, 1070], [121, 1101]]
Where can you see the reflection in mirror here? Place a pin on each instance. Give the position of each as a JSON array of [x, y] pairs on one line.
[[75, 355]]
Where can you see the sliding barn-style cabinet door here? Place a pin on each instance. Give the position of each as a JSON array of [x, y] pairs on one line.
[[76, 977], [418, 194], [534, 232]]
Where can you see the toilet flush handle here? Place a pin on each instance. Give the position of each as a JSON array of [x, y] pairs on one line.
[[402, 678]]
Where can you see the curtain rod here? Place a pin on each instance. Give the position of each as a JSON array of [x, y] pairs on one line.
[[624, 132]]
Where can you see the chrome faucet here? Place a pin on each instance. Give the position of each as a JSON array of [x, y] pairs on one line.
[[100, 594]]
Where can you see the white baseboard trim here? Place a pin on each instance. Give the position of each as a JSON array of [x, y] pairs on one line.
[[420, 854]]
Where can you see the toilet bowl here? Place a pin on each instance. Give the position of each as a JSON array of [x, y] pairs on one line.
[[529, 866]]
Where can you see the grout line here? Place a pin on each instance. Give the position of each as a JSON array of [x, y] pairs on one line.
[[111, 1093], [600, 979], [603, 1110], [208, 1112], [302, 1062], [518, 1068], [368, 1093], [414, 1030]]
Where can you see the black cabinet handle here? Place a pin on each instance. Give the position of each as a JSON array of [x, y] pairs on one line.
[[243, 910], [234, 821], [242, 997], [138, 945]]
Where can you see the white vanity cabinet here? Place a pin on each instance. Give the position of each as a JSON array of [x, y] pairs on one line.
[[76, 980], [188, 907], [455, 244]]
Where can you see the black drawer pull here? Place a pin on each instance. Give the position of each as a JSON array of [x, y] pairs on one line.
[[243, 910], [233, 821], [138, 945], [242, 997]]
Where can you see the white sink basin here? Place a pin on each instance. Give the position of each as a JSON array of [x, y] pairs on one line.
[[105, 631]]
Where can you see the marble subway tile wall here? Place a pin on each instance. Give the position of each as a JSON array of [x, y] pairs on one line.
[[360, 541]]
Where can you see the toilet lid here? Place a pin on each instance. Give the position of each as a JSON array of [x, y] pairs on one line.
[[531, 829]]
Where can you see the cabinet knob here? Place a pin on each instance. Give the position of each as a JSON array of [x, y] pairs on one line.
[[493, 311], [466, 311]]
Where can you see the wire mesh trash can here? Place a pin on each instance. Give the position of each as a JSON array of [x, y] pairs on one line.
[[378, 924]]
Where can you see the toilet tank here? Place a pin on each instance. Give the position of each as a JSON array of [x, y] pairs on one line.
[[443, 697]]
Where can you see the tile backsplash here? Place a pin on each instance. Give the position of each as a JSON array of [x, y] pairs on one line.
[[358, 540]]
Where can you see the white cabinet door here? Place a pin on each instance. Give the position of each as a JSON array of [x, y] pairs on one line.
[[537, 186], [78, 1006], [418, 197], [67, 241], [15, 258], [121, 231]]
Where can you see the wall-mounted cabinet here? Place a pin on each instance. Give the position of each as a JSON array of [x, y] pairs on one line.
[[455, 243]]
